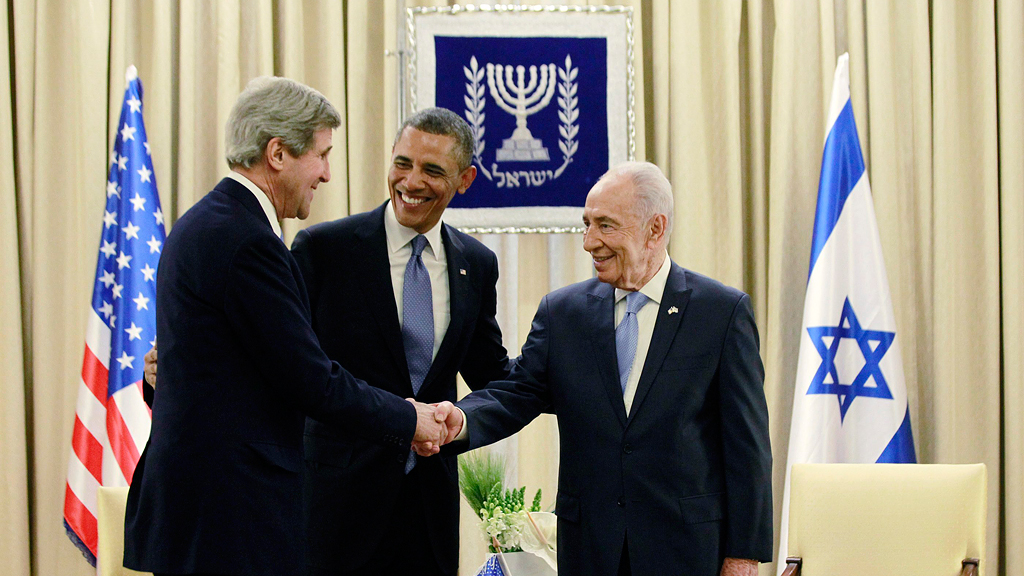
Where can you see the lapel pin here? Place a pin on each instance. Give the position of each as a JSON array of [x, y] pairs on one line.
[[673, 310], [462, 271]]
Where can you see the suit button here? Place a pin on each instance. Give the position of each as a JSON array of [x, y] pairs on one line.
[[622, 502], [402, 457], [628, 449]]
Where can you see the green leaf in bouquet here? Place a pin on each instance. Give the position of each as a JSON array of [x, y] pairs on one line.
[[479, 474]]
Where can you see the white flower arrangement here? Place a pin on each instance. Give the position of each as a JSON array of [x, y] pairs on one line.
[[505, 528], [503, 513]]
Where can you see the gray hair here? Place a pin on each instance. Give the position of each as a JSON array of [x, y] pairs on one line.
[[273, 107], [444, 122], [653, 191]]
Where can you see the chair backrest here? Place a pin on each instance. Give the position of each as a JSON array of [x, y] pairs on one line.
[[110, 505], [899, 519]]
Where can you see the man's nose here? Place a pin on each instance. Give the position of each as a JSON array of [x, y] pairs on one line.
[[590, 240], [414, 181]]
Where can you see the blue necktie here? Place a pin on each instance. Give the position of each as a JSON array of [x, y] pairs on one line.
[[417, 316], [626, 336], [417, 323]]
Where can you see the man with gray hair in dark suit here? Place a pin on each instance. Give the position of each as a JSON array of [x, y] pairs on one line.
[[218, 488]]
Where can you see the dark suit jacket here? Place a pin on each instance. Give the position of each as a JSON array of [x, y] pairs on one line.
[[686, 477], [351, 483], [218, 488]]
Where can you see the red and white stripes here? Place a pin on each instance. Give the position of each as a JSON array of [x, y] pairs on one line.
[[109, 435]]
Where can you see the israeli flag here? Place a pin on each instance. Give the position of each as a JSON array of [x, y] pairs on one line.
[[850, 403]]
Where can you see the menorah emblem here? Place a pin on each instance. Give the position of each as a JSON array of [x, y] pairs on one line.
[[520, 98]]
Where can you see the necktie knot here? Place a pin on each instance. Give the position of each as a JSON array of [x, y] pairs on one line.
[[635, 301], [418, 244]]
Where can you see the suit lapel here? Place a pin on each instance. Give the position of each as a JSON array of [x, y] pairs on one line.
[[600, 313], [458, 293], [676, 297], [378, 291]]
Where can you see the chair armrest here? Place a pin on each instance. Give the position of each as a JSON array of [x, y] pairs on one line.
[[793, 564], [970, 567]]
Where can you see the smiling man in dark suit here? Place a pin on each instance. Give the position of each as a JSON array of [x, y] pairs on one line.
[[654, 374], [218, 488], [403, 300]]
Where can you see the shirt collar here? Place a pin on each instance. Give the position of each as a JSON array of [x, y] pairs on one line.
[[262, 198], [655, 287], [399, 236]]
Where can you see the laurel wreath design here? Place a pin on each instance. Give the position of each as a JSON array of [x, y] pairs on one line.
[[475, 101], [568, 112]]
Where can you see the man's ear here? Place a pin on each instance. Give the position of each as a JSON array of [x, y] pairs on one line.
[[274, 154], [658, 227], [466, 178]]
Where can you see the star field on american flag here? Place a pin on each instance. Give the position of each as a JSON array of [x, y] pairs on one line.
[[112, 421], [130, 248]]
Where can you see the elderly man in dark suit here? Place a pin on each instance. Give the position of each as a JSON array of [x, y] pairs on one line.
[[654, 374], [404, 300], [218, 488]]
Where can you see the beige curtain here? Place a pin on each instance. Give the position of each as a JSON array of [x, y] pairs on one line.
[[1010, 72], [14, 448], [733, 97]]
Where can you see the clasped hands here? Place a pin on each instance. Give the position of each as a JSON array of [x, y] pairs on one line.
[[436, 425]]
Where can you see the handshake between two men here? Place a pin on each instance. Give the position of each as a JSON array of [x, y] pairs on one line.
[[436, 425]]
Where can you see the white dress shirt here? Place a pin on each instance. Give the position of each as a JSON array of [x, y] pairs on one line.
[[400, 249], [268, 207], [646, 318]]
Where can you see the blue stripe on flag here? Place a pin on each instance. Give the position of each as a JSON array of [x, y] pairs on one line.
[[901, 448], [842, 166]]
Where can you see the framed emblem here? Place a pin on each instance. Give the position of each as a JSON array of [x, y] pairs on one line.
[[548, 95]]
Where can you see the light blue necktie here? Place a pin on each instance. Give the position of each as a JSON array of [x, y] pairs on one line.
[[626, 336], [417, 323]]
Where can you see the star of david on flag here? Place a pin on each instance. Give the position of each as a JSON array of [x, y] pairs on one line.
[[112, 420], [872, 344], [850, 402]]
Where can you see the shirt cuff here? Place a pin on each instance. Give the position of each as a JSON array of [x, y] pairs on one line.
[[464, 433]]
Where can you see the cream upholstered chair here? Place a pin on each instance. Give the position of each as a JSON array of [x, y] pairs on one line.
[[110, 504], [878, 519]]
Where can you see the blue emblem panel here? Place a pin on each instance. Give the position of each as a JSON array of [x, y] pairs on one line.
[[537, 108]]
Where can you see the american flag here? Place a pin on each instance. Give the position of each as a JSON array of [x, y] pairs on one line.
[[112, 420]]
